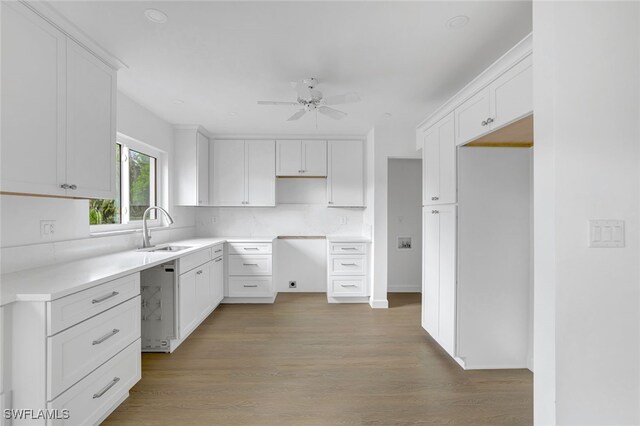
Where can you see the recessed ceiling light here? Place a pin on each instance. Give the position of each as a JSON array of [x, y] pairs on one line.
[[178, 101], [457, 22], [155, 15]]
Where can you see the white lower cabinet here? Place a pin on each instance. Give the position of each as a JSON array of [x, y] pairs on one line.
[[250, 272], [216, 282], [84, 360], [347, 272], [439, 274]]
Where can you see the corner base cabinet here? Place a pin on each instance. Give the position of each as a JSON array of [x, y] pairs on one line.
[[347, 271]]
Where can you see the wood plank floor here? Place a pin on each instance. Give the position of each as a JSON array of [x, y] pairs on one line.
[[302, 361]]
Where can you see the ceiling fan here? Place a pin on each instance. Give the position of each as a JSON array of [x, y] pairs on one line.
[[311, 99]]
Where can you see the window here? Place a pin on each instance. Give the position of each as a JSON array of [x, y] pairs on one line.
[[136, 188]]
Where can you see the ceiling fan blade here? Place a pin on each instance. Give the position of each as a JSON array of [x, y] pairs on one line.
[[333, 113], [347, 98], [277, 103], [297, 115]]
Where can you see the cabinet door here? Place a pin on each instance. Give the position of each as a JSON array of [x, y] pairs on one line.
[[431, 271], [431, 166], [33, 96], [314, 158], [512, 94], [227, 183], [345, 178], [203, 291], [217, 281], [447, 192], [447, 272], [471, 115], [188, 309], [202, 161], [261, 173], [91, 124], [289, 158]]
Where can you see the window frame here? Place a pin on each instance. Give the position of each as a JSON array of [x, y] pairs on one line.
[[128, 143]]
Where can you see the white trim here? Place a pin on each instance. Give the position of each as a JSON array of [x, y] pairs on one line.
[[236, 136], [379, 304]]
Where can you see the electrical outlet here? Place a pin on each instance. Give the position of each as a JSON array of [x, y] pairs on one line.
[[47, 229], [214, 219], [293, 284], [343, 220]]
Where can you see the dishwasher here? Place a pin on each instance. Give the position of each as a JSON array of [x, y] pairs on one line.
[[159, 307]]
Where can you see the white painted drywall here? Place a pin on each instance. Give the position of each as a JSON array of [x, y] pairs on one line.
[[494, 252], [303, 261], [21, 244], [405, 219], [586, 166]]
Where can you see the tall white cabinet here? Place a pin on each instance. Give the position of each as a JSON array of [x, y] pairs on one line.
[[58, 111], [242, 173]]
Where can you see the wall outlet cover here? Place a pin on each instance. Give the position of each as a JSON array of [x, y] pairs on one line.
[[606, 233]]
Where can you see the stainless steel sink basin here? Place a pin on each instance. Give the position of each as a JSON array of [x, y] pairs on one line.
[[166, 248]]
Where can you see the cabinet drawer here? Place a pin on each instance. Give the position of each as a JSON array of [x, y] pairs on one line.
[[194, 260], [77, 351], [70, 310], [348, 248], [250, 287], [90, 400], [217, 250], [348, 265], [348, 286], [249, 248], [249, 265]]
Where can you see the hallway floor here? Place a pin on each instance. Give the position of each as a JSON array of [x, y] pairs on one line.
[[302, 361]]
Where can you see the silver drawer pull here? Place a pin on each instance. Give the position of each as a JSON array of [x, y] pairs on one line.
[[348, 285], [106, 336], [106, 388], [218, 259], [251, 248], [218, 251], [103, 298], [199, 272], [250, 285], [249, 264], [349, 264], [349, 248]]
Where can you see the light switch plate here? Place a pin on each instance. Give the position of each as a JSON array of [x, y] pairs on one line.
[[47, 229], [606, 233]]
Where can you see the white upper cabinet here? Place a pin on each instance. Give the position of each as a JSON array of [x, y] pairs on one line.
[[512, 94], [33, 94], [345, 178], [58, 111], [439, 163], [192, 167], [506, 99], [301, 158], [91, 124], [243, 173]]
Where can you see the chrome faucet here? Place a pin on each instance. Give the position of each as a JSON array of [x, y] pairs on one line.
[[146, 232]]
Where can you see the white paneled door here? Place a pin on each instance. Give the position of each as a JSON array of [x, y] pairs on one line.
[[512, 94], [227, 187], [439, 163], [314, 158], [345, 178], [471, 117], [289, 157], [261, 173]]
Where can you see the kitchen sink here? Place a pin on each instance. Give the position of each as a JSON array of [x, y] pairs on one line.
[[165, 248]]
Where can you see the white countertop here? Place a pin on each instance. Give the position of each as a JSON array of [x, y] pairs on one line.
[[348, 239], [56, 281]]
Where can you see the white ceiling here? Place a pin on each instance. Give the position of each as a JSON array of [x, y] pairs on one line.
[[221, 57]]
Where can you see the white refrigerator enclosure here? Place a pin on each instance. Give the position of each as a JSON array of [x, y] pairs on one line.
[[477, 220]]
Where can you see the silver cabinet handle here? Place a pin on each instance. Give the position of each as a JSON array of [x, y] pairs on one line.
[[106, 336], [349, 264], [489, 120], [435, 198], [484, 123], [217, 251], [218, 260], [199, 272], [64, 186], [250, 285], [348, 285], [74, 187], [348, 248], [251, 248], [435, 211], [249, 264], [103, 298], [330, 202], [106, 388]]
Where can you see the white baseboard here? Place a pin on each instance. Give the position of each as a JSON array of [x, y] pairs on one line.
[[404, 289], [363, 299], [379, 304]]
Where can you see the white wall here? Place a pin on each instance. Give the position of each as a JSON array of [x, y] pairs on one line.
[[404, 273], [586, 166], [21, 244], [494, 253]]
